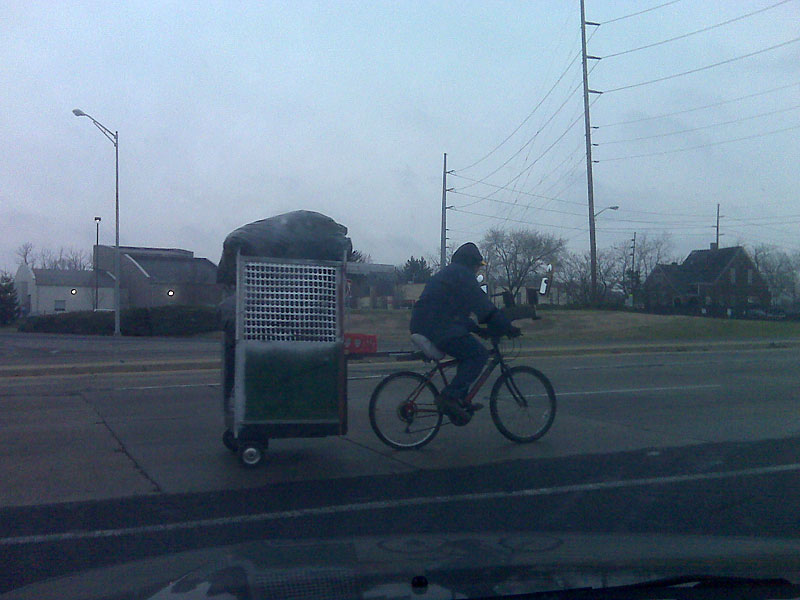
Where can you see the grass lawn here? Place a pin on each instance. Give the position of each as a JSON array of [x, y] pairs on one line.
[[588, 326]]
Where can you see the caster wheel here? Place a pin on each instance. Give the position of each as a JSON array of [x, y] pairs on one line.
[[229, 441], [251, 454]]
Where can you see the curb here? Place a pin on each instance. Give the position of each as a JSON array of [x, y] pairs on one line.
[[387, 358]]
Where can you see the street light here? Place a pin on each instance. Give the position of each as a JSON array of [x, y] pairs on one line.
[[114, 137], [597, 214], [593, 249], [96, 250]]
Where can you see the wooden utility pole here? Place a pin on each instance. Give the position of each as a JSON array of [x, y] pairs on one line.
[[588, 126], [443, 246]]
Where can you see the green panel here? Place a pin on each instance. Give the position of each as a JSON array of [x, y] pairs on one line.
[[292, 381]]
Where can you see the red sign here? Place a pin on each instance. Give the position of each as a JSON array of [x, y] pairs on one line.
[[360, 343]]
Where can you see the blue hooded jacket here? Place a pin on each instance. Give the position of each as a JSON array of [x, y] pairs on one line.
[[451, 296]]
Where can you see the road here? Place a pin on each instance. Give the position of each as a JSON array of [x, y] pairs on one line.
[[103, 469]]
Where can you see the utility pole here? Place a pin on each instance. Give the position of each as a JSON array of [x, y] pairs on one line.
[[588, 126], [634, 279], [443, 246], [717, 243]]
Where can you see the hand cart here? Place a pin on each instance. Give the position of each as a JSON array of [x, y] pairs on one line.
[[289, 373]]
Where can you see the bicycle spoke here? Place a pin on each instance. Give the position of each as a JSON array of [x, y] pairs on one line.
[[402, 411], [523, 404]]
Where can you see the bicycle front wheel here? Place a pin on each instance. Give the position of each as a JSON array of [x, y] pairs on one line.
[[523, 404], [402, 411]]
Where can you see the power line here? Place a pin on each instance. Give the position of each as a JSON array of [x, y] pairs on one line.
[[530, 141], [685, 35], [660, 135], [516, 220], [641, 12], [527, 206], [688, 110], [500, 187], [749, 137], [724, 62], [546, 96]]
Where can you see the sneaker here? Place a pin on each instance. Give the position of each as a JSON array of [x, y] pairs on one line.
[[473, 406], [451, 407]]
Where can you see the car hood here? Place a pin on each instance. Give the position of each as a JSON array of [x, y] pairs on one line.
[[426, 566]]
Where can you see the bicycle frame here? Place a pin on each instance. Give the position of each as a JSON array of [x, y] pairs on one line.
[[495, 359]]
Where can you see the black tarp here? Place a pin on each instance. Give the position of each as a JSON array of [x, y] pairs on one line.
[[300, 234]]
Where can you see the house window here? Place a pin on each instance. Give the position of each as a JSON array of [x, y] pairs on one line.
[[733, 275], [60, 306], [749, 276]]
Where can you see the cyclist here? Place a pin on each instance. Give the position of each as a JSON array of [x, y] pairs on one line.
[[442, 314]]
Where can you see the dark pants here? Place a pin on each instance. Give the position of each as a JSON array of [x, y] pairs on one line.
[[472, 356]]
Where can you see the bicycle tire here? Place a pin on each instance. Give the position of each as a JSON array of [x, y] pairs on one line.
[[534, 387], [391, 404]]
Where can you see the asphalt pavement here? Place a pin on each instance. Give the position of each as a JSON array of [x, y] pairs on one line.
[[105, 467]]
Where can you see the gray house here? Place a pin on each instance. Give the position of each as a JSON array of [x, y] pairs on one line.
[[162, 276], [47, 291]]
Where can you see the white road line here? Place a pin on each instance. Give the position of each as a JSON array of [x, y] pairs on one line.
[[640, 390], [390, 504], [164, 387], [191, 385]]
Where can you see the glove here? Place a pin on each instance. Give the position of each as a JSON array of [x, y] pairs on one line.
[[514, 332]]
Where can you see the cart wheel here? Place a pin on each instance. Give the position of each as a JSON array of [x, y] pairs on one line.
[[229, 441], [251, 454]]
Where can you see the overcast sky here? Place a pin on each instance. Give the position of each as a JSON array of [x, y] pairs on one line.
[[229, 112]]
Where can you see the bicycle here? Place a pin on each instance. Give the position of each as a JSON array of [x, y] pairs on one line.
[[405, 400]]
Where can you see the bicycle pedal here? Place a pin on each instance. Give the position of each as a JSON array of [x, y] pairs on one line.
[[473, 407]]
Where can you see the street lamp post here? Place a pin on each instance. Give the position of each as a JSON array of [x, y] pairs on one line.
[[114, 137], [96, 250]]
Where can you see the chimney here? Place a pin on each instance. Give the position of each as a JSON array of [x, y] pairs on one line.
[[714, 246]]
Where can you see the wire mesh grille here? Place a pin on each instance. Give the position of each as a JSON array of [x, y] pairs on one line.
[[290, 302]]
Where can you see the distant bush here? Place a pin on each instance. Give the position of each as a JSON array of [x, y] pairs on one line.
[[156, 321]]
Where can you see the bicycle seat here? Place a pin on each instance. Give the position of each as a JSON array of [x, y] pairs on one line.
[[426, 347]]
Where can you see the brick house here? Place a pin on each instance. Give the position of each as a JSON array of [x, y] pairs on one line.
[[717, 281]]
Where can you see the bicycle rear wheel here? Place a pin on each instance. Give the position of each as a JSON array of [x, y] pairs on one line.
[[523, 404], [402, 411]]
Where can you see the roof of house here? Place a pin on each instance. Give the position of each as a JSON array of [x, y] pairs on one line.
[[164, 269], [700, 267], [705, 266], [137, 251], [64, 278]]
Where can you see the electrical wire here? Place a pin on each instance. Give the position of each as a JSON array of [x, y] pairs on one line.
[[749, 137], [500, 187], [641, 12], [685, 35], [552, 210], [514, 220], [660, 135], [688, 110], [546, 96], [724, 62]]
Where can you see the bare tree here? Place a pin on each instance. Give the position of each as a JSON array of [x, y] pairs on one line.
[[630, 270], [25, 253], [575, 273], [779, 269], [63, 259], [435, 258], [514, 257]]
